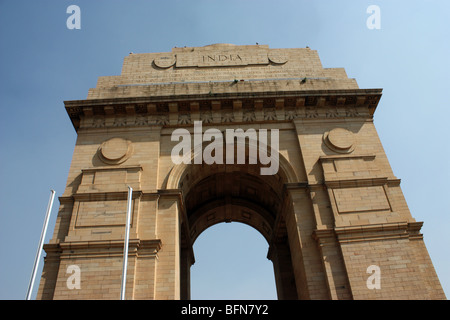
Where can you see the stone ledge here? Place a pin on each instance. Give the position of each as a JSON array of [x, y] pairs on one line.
[[105, 196], [384, 231], [103, 248], [182, 110]]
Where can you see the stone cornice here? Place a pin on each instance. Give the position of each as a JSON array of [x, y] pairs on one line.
[[343, 183], [112, 168], [119, 195], [383, 231], [176, 110], [105, 196], [104, 248]]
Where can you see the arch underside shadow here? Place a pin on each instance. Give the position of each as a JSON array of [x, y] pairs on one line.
[[213, 194]]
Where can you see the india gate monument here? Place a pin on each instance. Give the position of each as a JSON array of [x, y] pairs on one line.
[[233, 133]]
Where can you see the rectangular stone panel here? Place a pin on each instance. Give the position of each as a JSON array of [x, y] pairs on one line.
[[101, 213], [221, 58], [110, 179], [349, 167], [361, 199]]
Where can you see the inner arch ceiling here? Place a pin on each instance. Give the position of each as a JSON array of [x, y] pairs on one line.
[[226, 193]]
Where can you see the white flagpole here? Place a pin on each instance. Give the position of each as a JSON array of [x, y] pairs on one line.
[[41, 244], [125, 248]]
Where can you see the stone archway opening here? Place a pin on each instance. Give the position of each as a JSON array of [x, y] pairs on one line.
[[231, 263], [234, 193]]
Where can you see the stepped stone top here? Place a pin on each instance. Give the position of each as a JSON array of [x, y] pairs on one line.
[[220, 68]]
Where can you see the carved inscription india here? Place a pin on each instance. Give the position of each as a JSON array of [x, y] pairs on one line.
[[224, 58], [221, 57]]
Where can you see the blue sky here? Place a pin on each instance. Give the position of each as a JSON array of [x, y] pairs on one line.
[[42, 63]]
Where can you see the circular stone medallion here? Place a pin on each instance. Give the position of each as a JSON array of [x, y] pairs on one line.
[[339, 140], [277, 58], [115, 151], [164, 61]]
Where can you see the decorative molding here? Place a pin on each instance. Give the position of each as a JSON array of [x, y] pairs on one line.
[[349, 183], [227, 116], [325, 237], [311, 112], [236, 107], [270, 114], [353, 156], [141, 120], [206, 117], [332, 113], [372, 232], [385, 231], [120, 121], [105, 248], [248, 116], [98, 122], [290, 114], [184, 118], [105, 196], [162, 119]]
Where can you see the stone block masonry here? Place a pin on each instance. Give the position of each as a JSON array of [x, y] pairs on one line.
[[333, 214]]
